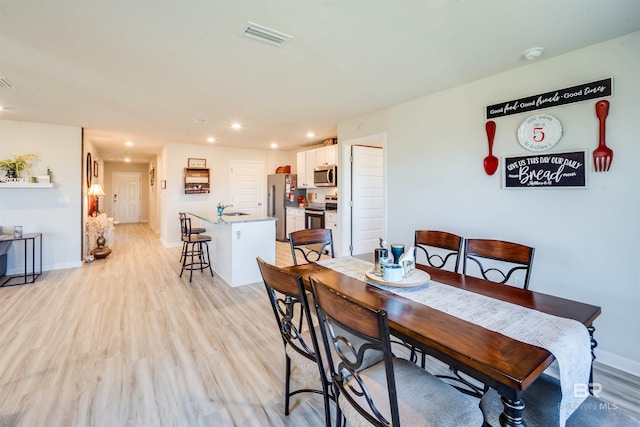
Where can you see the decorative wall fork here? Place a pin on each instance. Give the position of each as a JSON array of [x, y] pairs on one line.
[[603, 155]]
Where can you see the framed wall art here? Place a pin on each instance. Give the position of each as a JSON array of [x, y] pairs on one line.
[[196, 163]]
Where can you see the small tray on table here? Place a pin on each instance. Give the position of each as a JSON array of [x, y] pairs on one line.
[[415, 278]]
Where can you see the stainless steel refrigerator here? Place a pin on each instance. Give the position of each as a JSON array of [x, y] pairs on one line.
[[282, 192]]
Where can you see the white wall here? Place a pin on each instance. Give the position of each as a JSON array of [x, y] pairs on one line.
[[587, 240], [54, 212]]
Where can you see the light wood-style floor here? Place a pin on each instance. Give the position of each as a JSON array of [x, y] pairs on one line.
[[125, 342]]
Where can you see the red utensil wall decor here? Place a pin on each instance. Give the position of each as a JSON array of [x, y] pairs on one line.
[[603, 155], [491, 161]]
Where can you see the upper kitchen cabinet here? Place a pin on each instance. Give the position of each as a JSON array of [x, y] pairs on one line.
[[326, 155], [306, 161]]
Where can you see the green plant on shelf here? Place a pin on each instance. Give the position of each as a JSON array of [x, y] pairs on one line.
[[17, 164]]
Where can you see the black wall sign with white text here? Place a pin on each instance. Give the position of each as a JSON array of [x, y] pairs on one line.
[[557, 170], [583, 92]]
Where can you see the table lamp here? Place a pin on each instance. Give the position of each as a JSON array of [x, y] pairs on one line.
[[96, 190]]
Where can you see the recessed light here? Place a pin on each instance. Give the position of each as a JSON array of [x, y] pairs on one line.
[[310, 134], [236, 125], [127, 160], [533, 53], [274, 145], [211, 140], [128, 143]]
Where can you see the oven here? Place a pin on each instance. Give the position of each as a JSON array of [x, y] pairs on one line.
[[313, 219]]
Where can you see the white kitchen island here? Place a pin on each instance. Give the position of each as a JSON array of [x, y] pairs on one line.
[[236, 243]]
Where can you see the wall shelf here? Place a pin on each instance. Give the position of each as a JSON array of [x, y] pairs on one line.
[[26, 185], [196, 180]]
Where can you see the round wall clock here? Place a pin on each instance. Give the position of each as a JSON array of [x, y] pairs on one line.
[[539, 132]]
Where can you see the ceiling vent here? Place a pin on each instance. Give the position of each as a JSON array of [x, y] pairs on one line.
[[5, 84], [266, 35]]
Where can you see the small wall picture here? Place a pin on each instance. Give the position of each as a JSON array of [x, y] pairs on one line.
[[95, 168], [197, 163]]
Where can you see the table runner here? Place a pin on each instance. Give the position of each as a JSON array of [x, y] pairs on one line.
[[567, 339]]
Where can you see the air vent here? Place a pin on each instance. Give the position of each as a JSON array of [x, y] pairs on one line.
[[5, 84], [266, 35]]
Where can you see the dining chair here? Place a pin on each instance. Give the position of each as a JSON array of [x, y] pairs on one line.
[[195, 249], [542, 405], [312, 244], [194, 230], [290, 306], [391, 392], [512, 257], [439, 247]]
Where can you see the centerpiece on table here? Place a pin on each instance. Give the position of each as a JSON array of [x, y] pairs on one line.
[[17, 167], [99, 225]]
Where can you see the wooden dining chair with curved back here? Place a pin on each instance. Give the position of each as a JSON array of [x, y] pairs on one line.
[[439, 247], [391, 392], [513, 257], [291, 309], [312, 244]]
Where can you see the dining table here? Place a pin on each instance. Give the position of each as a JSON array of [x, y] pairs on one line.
[[498, 361]]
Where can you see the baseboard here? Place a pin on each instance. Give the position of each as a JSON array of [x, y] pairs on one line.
[[60, 266], [621, 363]]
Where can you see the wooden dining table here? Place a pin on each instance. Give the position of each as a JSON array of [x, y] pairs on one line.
[[505, 364]]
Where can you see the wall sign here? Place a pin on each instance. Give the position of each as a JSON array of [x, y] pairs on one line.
[[557, 170], [583, 92]]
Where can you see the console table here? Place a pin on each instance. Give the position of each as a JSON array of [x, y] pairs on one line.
[[30, 275]]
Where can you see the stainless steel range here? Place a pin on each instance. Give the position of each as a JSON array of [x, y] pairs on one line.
[[314, 212]]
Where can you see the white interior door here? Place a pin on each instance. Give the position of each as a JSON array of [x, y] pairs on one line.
[[367, 197], [126, 196], [247, 186]]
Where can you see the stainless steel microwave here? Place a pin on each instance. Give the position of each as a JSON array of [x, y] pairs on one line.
[[325, 176]]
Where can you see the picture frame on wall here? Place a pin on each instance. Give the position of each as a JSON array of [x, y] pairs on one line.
[[95, 168], [88, 170], [196, 163]]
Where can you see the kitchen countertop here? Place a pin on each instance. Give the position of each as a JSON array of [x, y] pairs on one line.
[[225, 219]]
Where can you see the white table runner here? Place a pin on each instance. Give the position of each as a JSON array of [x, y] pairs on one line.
[[568, 340]]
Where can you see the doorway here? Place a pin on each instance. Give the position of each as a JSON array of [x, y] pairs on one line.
[[362, 191], [246, 180], [126, 196]]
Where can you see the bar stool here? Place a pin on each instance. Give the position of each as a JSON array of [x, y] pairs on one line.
[[195, 250], [194, 230]]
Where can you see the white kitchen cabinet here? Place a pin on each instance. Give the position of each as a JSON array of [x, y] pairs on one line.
[[331, 221], [295, 220], [326, 155], [306, 161]]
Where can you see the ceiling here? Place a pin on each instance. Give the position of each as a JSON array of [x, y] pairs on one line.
[[158, 72]]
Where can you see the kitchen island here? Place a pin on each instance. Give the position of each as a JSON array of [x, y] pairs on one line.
[[237, 240]]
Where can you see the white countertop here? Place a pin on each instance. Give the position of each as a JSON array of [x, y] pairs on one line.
[[226, 219]]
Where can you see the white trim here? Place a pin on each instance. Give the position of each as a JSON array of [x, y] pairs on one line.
[[612, 360]]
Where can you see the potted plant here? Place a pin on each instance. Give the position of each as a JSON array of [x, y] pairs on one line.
[[18, 164]]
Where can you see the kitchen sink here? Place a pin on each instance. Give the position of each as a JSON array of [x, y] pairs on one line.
[[234, 213]]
